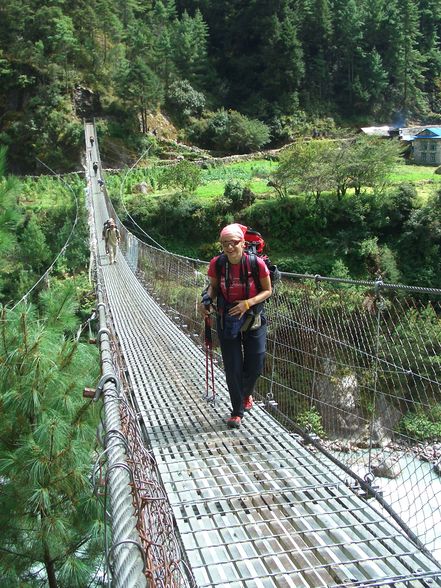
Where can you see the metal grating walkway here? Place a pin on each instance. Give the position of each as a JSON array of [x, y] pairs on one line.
[[253, 507]]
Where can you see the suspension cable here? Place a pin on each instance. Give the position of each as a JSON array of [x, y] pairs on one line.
[[143, 154], [66, 244]]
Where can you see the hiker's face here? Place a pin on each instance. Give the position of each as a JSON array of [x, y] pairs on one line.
[[233, 248], [232, 243]]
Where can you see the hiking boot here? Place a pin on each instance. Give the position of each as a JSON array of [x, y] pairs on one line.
[[248, 403], [233, 422]]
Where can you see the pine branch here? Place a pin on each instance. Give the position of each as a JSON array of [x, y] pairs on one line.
[[16, 554]]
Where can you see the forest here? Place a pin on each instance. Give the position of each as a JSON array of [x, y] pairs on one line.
[[231, 76]]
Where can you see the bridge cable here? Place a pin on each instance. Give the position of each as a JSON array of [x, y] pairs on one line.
[[143, 154], [66, 244]]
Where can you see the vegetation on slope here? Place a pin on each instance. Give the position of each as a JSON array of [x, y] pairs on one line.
[[232, 76]]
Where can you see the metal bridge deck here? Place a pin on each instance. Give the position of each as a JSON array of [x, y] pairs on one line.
[[254, 508]]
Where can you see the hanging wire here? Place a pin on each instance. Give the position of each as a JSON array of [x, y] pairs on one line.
[[66, 244], [143, 154], [380, 307], [318, 291]]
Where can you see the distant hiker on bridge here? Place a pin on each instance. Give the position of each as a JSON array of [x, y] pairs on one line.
[[241, 322], [95, 167], [92, 141], [107, 223], [112, 238]]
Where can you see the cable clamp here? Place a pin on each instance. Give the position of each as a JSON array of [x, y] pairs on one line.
[[106, 378], [101, 332]]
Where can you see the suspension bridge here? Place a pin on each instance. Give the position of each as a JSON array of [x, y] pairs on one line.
[[192, 503]]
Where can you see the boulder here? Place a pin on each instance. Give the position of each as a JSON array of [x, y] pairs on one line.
[[141, 188], [86, 103], [339, 402], [386, 468], [341, 407]]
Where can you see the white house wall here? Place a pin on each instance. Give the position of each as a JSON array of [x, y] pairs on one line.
[[427, 151]]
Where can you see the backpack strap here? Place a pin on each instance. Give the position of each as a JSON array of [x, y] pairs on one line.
[[255, 270], [222, 263]]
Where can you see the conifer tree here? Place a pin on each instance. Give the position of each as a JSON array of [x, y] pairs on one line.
[[9, 220], [430, 46], [190, 48], [315, 33], [51, 523]]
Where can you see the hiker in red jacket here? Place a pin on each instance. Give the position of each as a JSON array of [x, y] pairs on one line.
[[241, 323]]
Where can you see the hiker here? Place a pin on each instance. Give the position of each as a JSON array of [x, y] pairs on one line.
[[100, 183], [241, 322], [92, 141], [95, 167], [112, 238], [106, 225]]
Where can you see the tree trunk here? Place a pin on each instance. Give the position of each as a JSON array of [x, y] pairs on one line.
[[50, 569]]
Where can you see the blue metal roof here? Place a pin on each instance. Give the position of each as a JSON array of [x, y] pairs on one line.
[[435, 133]]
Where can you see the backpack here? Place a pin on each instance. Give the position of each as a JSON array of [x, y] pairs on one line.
[[254, 248], [105, 227], [255, 245], [109, 228]]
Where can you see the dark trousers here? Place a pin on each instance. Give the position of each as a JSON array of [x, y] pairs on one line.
[[243, 359]]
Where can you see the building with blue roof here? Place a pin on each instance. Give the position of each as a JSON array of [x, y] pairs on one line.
[[426, 146]]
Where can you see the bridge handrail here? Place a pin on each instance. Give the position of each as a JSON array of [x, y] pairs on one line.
[[125, 558]]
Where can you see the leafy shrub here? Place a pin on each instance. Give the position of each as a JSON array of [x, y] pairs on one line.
[[304, 264], [184, 176], [245, 134], [184, 101], [233, 190], [239, 196], [208, 250], [340, 270], [421, 426], [289, 127], [311, 420], [230, 131]]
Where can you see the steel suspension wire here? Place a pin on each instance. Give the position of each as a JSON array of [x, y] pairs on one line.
[[66, 244], [124, 205], [151, 523], [128, 564]]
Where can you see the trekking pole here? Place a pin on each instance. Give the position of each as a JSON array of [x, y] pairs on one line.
[[209, 361]]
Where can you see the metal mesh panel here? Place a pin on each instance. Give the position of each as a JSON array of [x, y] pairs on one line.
[[360, 355]]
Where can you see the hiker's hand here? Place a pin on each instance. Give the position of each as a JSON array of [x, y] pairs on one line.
[[206, 302], [239, 309], [206, 299]]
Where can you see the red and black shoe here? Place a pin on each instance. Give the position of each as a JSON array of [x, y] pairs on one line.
[[233, 422], [248, 403]]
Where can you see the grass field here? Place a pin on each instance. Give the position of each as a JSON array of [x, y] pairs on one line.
[[415, 173], [255, 175]]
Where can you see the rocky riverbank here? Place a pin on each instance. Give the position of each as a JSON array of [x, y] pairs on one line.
[[386, 458]]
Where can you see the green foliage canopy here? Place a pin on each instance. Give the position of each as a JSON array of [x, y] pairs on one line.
[[48, 513]]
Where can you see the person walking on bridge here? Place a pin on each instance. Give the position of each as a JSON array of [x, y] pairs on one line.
[[240, 320], [112, 239]]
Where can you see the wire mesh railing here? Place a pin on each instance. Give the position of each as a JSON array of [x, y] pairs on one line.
[[141, 548], [353, 366]]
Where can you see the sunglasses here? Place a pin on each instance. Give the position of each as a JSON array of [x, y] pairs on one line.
[[232, 243]]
